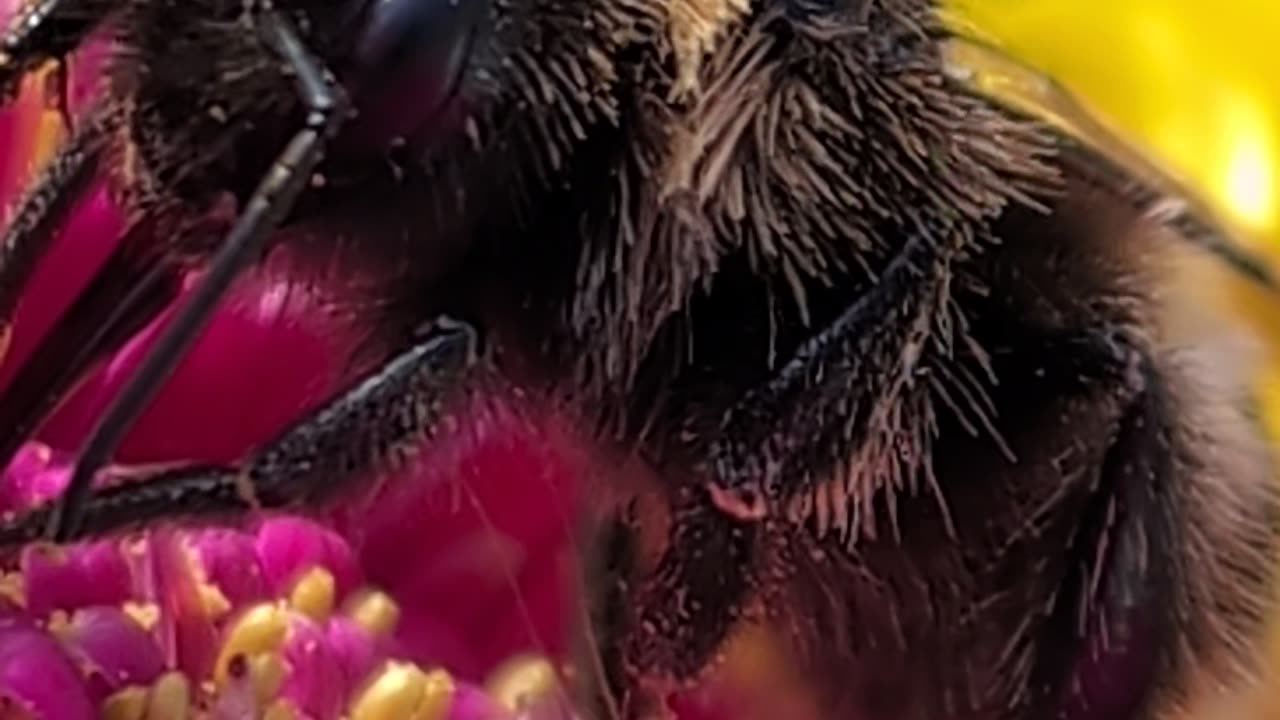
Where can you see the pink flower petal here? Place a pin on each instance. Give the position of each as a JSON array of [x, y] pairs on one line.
[[186, 632], [114, 648], [266, 356], [290, 546], [37, 677], [75, 255], [37, 474], [74, 577], [315, 682], [490, 506], [471, 703], [354, 652], [229, 559]]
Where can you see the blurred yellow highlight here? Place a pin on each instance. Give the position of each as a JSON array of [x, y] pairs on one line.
[[1196, 83], [37, 128], [1248, 176]]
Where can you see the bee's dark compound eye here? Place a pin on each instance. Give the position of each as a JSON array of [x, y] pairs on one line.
[[410, 57]]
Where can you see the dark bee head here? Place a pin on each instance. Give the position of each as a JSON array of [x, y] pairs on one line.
[[409, 59], [431, 72]]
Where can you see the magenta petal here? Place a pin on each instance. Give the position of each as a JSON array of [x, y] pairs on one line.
[[266, 355], [471, 703], [237, 701], [354, 652], [290, 546], [513, 525], [315, 681], [75, 256], [36, 474], [74, 577], [114, 647], [186, 633], [421, 636], [229, 559], [37, 677]]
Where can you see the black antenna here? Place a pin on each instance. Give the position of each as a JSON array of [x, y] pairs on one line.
[[266, 208]]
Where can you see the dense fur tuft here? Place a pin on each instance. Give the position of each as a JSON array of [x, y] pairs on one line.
[[811, 139]]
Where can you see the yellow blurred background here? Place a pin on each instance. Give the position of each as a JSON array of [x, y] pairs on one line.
[[1197, 82]]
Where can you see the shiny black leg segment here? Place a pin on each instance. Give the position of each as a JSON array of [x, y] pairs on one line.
[[377, 422], [698, 592], [705, 579], [44, 30], [834, 382], [273, 199]]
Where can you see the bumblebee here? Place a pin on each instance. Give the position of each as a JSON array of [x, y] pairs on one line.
[[892, 338]]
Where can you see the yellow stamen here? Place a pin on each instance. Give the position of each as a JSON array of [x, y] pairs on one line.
[[523, 680], [147, 615], [375, 612], [260, 630], [267, 672], [402, 691], [170, 698], [313, 595], [13, 588], [437, 696], [215, 603], [127, 704], [59, 624]]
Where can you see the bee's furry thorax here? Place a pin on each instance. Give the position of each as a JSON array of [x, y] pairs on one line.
[[809, 145]]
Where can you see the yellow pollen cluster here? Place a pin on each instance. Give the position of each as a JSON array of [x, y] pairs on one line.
[[375, 612], [251, 663], [522, 681], [168, 698], [403, 691], [252, 652], [313, 595]]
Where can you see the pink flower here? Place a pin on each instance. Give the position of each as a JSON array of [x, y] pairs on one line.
[[120, 623], [142, 628]]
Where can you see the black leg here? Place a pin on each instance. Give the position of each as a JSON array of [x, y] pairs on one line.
[[380, 420], [274, 197], [843, 389], [788, 437], [840, 379], [696, 595], [46, 30]]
